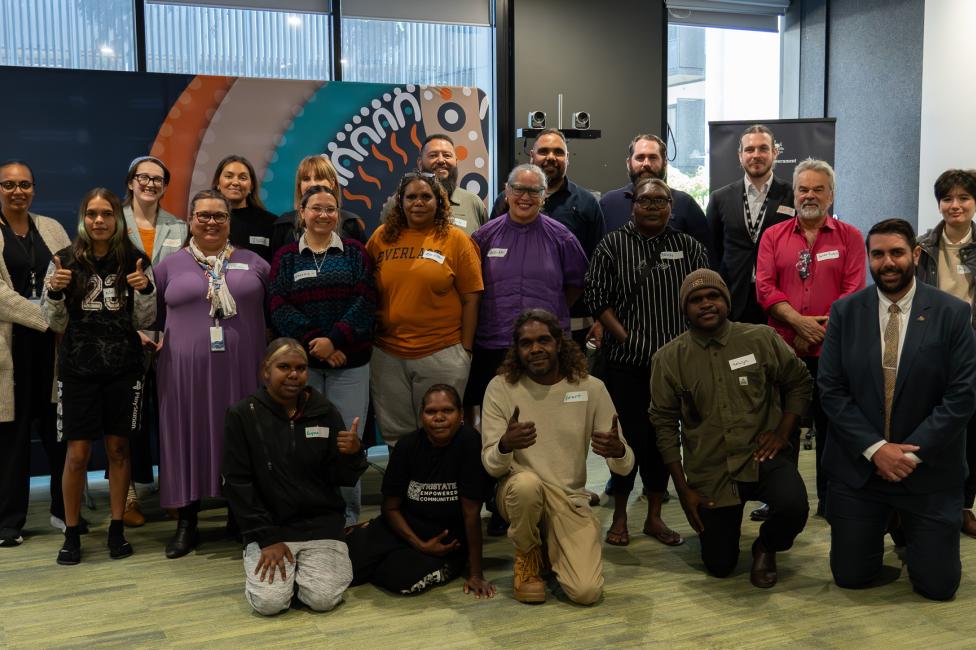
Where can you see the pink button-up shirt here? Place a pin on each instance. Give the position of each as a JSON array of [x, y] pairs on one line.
[[836, 269]]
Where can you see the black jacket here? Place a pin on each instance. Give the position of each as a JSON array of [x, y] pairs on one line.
[[281, 475], [928, 262]]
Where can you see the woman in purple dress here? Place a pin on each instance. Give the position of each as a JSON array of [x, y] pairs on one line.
[[211, 312]]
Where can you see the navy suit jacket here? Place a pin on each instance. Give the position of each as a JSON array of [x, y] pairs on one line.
[[935, 390]]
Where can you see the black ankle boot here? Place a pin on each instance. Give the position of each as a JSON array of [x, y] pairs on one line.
[[184, 540], [70, 553]]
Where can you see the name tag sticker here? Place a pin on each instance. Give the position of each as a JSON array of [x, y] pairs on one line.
[[301, 275], [672, 255], [108, 293], [742, 362], [828, 255], [743, 381], [217, 339], [460, 223], [576, 396], [433, 255], [787, 210], [172, 243], [237, 266], [498, 252], [962, 269], [316, 432], [259, 241]]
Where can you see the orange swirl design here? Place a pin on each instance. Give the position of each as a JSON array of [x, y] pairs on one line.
[[414, 138], [369, 179], [379, 156], [357, 197], [396, 148]]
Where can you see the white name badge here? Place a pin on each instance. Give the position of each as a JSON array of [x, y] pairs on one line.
[[742, 362], [576, 396], [301, 275], [108, 293], [259, 241], [433, 255], [316, 432], [962, 269], [498, 252], [237, 266], [828, 255], [672, 255], [787, 210], [217, 339], [172, 243], [460, 223]]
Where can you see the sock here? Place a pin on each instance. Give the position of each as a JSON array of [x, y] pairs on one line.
[[72, 538], [116, 531]]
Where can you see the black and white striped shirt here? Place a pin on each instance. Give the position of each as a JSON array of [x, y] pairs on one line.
[[640, 277]]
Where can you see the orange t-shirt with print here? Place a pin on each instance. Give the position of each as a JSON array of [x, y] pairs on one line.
[[420, 279]]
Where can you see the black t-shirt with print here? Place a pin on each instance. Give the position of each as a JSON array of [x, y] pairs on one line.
[[431, 481]]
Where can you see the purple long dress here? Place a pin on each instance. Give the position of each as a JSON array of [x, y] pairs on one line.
[[196, 386]]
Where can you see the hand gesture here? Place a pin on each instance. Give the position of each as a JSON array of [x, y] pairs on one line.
[[479, 587], [321, 348], [137, 279], [348, 441], [435, 545], [892, 463], [609, 444], [812, 328], [518, 435], [337, 359], [273, 557], [147, 342], [769, 444], [691, 501], [61, 277]]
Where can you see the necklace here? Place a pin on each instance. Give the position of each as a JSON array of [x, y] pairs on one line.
[[317, 262]]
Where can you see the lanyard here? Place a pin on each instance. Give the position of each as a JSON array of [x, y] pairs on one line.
[[754, 227], [30, 252]]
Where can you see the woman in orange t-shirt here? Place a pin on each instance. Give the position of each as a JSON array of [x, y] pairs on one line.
[[428, 274]]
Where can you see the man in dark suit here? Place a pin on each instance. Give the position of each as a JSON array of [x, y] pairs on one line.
[[898, 376], [739, 213]]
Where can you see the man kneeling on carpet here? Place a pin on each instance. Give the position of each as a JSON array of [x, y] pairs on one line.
[[285, 458], [724, 382], [540, 416]]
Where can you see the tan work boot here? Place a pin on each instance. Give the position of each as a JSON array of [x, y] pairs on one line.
[[528, 586]]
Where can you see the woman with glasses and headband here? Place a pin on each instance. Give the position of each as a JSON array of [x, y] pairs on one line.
[[323, 294], [27, 241], [632, 287], [528, 261], [252, 225], [315, 170], [99, 292], [211, 313], [157, 233], [428, 274]]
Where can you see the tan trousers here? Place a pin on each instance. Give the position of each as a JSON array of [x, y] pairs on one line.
[[572, 532]]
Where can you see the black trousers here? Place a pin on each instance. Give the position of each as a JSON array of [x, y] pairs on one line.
[[969, 488], [781, 487], [858, 520], [820, 424], [33, 359], [630, 390], [385, 559]]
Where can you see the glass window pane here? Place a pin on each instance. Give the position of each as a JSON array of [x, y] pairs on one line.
[[89, 34], [192, 39]]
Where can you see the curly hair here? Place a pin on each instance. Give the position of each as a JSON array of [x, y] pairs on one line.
[[572, 363], [396, 221]]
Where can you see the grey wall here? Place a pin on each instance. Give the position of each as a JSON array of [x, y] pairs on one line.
[[606, 58]]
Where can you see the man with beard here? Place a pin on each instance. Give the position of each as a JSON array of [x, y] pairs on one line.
[[648, 158], [730, 394], [739, 213], [897, 374], [541, 415], [804, 265], [438, 156]]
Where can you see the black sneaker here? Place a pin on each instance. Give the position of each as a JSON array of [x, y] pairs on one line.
[[119, 548], [69, 555], [11, 541]]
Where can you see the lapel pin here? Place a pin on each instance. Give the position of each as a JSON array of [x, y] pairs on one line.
[[920, 318]]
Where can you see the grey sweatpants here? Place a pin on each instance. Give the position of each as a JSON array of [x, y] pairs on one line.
[[322, 570]]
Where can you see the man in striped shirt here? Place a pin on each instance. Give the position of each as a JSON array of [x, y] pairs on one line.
[[632, 287]]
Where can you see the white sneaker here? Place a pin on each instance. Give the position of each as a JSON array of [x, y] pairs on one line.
[[57, 522], [9, 542]]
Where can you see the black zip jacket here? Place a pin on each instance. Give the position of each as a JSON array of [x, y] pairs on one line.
[[281, 476]]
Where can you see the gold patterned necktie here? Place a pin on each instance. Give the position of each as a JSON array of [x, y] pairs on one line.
[[889, 362]]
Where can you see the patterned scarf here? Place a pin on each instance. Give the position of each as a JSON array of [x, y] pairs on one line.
[[222, 303]]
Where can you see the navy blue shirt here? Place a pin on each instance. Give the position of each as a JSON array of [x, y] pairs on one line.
[[686, 215]]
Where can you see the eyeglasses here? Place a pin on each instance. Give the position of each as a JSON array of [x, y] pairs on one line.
[[518, 190], [648, 202], [318, 210], [803, 265], [146, 179], [10, 186], [205, 217], [428, 176]]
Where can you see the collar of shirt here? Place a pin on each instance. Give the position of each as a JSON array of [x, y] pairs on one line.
[[905, 304], [566, 188], [631, 228], [720, 337], [452, 200], [965, 240], [751, 189], [829, 223], [334, 242]]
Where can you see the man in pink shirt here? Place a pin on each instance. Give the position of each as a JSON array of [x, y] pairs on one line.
[[804, 265]]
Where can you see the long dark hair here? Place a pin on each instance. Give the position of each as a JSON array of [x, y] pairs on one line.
[[572, 363], [396, 221], [119, 246]]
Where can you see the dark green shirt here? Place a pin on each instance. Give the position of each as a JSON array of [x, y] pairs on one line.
[[724, 390]]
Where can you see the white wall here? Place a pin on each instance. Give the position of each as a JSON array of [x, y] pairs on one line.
[[948, 136]]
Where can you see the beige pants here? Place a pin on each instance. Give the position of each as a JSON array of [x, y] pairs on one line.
[[572, 532]]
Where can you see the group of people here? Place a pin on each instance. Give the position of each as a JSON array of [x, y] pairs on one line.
[[464, 330]]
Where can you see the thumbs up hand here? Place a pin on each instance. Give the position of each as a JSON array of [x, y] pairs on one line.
[[348, 441], [61, 277], [518, 435], [137, 279], [608, 444]]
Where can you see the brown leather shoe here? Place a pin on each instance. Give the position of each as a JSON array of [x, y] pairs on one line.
[[763, 574], [968, 523], [133, 517], [527, 582]]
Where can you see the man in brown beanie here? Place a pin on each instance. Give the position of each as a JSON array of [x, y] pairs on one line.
[[734, 391]]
